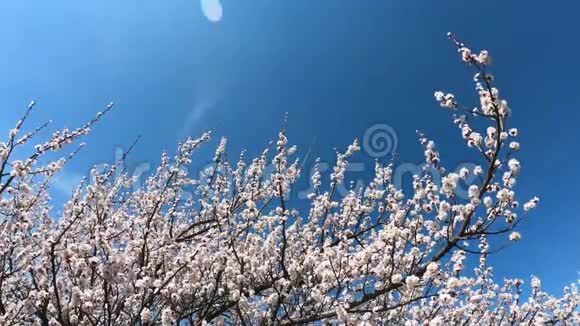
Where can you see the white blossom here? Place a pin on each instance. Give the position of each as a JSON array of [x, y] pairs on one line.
[[515, 236], [146, 315]]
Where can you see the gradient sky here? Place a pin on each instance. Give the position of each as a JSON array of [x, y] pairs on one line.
[[337, 67]]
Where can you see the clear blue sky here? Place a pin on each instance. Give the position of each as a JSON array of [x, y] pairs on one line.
[[337, 67]]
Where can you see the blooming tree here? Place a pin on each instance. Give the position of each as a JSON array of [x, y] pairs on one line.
[[238, 252]]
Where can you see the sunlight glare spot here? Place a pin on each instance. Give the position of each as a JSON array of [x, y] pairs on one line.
[[212, 9]]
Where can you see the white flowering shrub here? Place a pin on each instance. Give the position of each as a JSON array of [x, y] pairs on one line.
[[239, 252]]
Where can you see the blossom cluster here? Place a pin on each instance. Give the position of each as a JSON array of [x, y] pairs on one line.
[[239, 252]]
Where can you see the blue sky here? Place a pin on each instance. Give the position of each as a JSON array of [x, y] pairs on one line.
[[337, 67]]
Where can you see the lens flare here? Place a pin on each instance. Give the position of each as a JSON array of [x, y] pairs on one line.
[[212, 10]]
